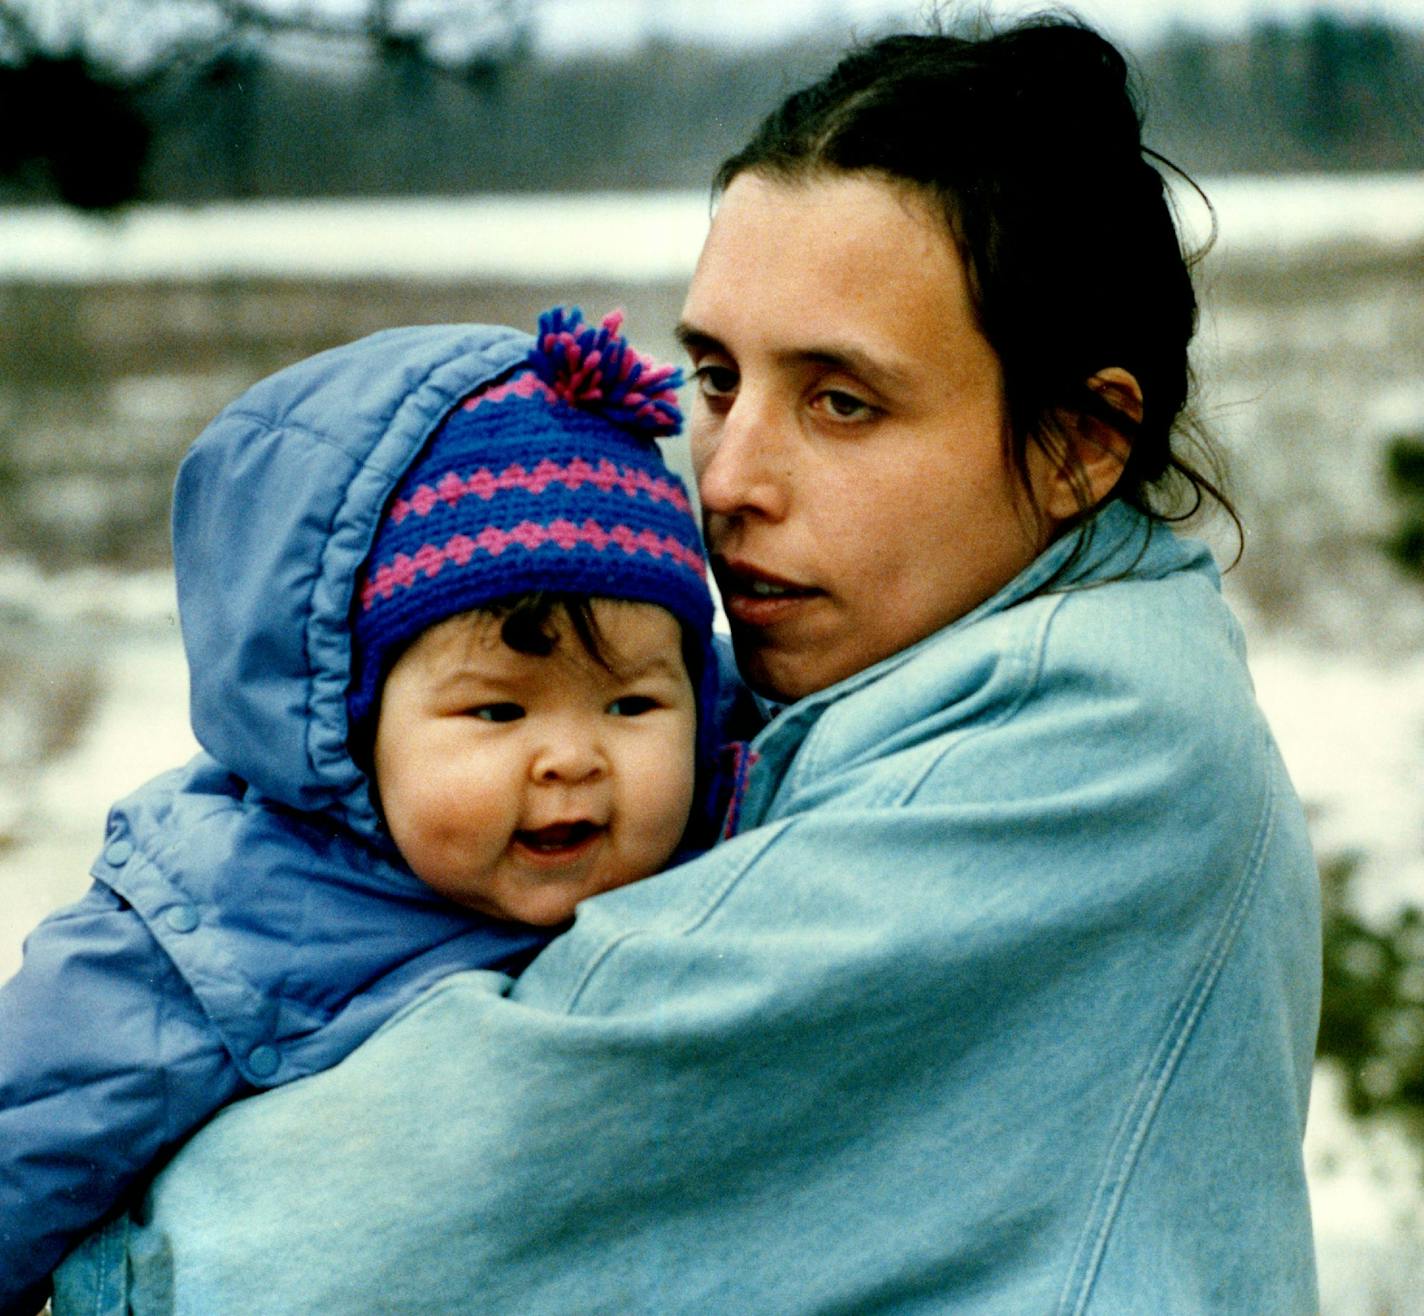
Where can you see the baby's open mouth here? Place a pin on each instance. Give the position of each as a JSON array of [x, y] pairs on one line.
[[558, 838]]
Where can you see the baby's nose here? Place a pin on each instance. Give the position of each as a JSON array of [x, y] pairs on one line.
[[569, 759]]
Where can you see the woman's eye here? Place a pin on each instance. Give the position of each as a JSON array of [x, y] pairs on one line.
[[715, 381], [845, 406], [632, 705], [497, 712]]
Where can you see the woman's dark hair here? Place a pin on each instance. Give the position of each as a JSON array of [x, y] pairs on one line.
[[1029, 141]]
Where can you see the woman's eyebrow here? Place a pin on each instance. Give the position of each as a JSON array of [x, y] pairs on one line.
[[695, 340], [852, 360], [834, 356]]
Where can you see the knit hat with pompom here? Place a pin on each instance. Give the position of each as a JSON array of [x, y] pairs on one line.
[[549, 479]]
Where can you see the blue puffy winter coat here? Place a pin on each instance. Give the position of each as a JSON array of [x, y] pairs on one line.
[[249, 922]]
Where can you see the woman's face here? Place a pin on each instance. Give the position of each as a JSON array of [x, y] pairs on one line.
[[848, 428]]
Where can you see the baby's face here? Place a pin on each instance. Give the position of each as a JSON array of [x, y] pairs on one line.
[[519, 785]]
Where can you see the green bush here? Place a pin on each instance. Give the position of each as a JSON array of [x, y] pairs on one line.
[[1372, 1013], [1404, 476]]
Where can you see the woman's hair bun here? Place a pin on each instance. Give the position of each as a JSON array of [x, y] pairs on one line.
[[1060, 85]]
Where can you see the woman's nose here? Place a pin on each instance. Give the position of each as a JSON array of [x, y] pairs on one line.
[[741, 462]]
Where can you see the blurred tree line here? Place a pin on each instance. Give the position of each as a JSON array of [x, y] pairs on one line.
[[109, 103], [189, 100], [1324, 93]]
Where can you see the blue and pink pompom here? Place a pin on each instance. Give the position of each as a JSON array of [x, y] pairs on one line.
[[599, 370]]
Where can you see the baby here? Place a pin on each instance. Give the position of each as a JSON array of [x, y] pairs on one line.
[[449, 637]]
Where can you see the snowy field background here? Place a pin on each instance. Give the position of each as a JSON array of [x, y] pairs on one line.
[[118, 339]]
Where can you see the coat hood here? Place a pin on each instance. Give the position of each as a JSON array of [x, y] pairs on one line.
[[274, 512]]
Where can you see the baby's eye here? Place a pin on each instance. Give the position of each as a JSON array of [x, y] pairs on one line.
[[715, 381], [845, 406], [505, 712], [632, 705]]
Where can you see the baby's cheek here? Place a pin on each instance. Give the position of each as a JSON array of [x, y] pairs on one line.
[[442, 793], [665, 826], [431, 819]]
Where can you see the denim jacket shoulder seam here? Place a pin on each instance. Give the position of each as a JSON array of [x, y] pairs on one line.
[[1030, 660], [1147, 1099]]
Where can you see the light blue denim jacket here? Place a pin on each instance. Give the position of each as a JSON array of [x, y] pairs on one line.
[[1003, 1000]]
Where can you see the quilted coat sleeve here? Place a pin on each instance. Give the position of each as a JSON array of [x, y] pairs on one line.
[[106, 1060]]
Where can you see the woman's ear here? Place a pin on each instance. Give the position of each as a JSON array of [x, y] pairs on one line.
[[1120, 390], [1094, 451]]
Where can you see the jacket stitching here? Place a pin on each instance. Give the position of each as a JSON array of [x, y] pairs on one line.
[[1152, 1087], [715, 896], [272, 425], [144, 903], [265, 426], [1031, 661], [309, 704]]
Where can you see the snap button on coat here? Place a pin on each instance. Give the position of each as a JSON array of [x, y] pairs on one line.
[[182, 918]]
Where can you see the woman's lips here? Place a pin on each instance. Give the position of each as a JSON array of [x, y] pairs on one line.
[[754, 597]]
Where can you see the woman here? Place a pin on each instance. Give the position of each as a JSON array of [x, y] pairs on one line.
[[1003, 996]]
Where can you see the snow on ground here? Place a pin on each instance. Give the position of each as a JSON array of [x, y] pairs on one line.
[[553, 238], [1368, 1208], [1282, 214], [1351, 730], [539, 239], [138, 728]]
